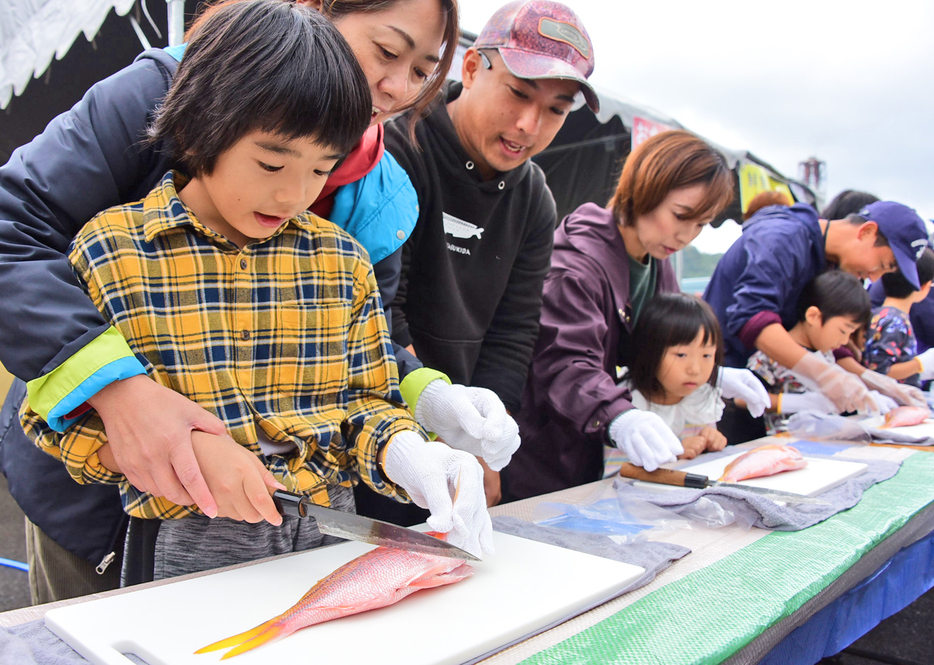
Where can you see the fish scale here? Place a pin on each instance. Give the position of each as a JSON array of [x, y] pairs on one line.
[[763, 461], [376, 579]]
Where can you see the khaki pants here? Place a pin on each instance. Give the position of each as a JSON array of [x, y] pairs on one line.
[[57, 574]]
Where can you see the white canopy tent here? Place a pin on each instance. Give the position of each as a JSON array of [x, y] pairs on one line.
[[32, 32]]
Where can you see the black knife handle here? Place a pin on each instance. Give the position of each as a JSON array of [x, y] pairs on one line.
[[289, 504], [696, 480]]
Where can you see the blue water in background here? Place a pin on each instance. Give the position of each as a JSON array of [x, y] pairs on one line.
[[694, 285]]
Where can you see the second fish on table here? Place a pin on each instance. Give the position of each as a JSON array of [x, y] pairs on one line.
[[763, 461]]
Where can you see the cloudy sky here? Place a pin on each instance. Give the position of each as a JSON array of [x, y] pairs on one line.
[[850, 82]]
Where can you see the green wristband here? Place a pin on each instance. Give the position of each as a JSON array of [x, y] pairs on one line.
[[415, 382]]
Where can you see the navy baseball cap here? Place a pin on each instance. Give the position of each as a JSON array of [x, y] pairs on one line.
[[904, 230]]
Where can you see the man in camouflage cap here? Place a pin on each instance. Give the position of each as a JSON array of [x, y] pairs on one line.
[[472, 270]]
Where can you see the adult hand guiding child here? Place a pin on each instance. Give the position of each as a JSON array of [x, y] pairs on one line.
[[609, 263], [80, 165]]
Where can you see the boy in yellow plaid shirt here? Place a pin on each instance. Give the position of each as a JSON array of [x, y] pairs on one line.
[[233, 295]]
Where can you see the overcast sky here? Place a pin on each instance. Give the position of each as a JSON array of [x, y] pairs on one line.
[[851, 83]]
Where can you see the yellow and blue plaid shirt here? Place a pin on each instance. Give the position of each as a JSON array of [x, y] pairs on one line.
[[286, 334]]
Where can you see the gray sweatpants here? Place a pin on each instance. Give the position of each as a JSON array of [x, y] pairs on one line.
[[195, 543]]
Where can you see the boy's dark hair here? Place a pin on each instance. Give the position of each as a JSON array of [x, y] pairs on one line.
[[846, 203], [836, 293], [338, 9], [670, 319], [262, 65], [896, 286]]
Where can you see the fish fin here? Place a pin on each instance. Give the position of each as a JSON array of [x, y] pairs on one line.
[[239, 638], [440, 579], [272, 632]]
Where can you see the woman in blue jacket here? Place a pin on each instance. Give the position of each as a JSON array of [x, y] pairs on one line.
[[93, 157]]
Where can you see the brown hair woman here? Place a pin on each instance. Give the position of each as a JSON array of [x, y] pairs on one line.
[[608, 263]]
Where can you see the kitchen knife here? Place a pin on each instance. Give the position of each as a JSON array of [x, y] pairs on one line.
[[364, 529], [697, 481]]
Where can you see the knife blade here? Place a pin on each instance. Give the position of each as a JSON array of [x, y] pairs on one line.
[[697, 481], [351, 526]]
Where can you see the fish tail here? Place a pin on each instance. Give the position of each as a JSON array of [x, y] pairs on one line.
[[239, 638], [271, 633]]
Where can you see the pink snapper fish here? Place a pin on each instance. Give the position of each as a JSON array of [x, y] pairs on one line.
[[906, 415], [380, 577], [763, 461]]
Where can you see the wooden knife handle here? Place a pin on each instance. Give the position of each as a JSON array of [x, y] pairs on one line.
[[663, 476]]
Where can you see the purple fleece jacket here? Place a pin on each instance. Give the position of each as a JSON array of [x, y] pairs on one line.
[[572, 394]]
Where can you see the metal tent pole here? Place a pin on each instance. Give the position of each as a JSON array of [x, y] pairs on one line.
[[176, 21]]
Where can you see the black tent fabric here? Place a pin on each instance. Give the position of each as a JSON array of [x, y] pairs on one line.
[[584, 161]]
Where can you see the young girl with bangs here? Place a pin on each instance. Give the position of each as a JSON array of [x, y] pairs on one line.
[[674, 375], [608, 265]]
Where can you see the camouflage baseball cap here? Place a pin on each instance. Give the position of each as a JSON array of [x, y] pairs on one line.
[[540, 39]]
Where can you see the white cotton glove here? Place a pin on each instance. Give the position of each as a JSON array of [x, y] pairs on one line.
[[927, 364], [742, 384], [447, 482], [645, 438], [809, 401], [469, 419], [842, 388], [885, 403], [902, 393]]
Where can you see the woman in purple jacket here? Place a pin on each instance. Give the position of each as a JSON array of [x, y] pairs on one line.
[[607, 264]]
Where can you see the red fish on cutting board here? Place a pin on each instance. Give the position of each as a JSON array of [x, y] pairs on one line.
[[906, 415], [763, 461], [380, 577]]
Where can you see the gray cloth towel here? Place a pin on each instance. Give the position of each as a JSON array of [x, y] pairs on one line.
[[827, 427], [765, 513], [34, 644], [654, 557], [895, 436]]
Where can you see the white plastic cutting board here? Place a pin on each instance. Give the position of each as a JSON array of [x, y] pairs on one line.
[[525, 587], [818, 476]]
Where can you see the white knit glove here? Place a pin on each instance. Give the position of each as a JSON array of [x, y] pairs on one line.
[[809, 401], [469, 419], [645, 438], [447, 482], [742, 384], [927, 364]]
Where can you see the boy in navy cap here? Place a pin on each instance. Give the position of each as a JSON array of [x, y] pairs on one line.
[[757, 283]]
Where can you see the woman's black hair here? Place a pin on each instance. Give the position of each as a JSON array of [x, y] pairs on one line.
[[896, 286], [846, 203], [670, 319], [836, 293], [262, 65]]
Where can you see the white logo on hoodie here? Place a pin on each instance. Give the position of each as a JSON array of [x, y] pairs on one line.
[[459, 228]]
